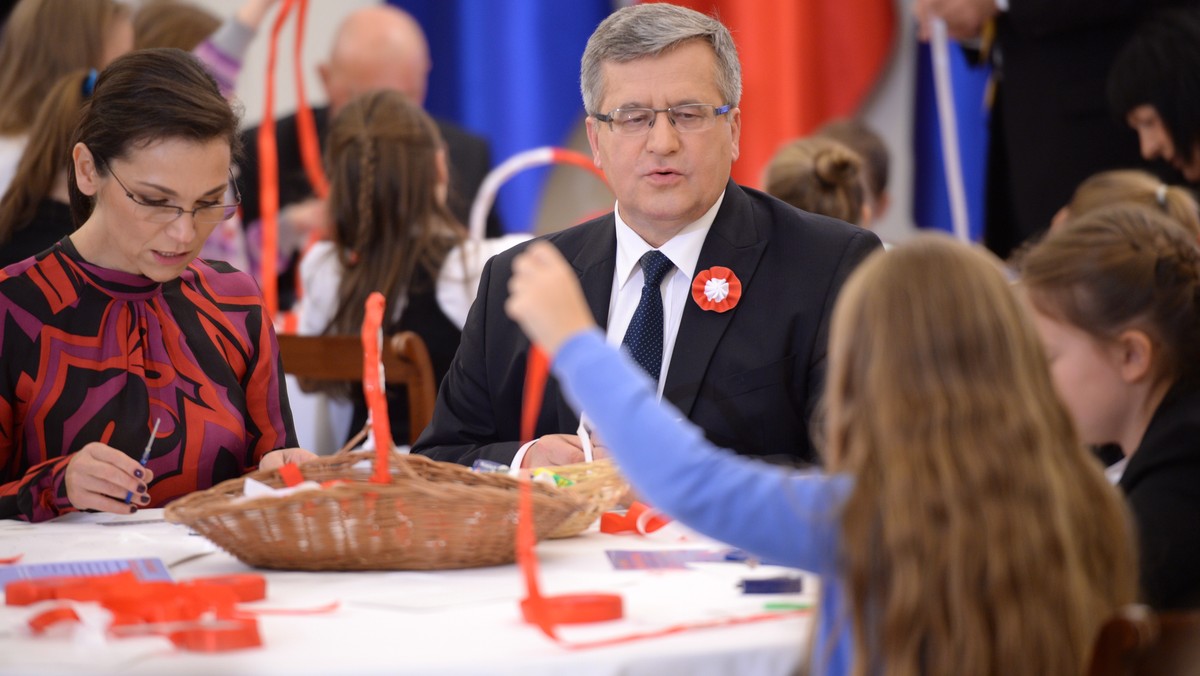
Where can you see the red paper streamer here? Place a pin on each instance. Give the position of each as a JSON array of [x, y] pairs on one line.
[[268, 157], [372, 337]]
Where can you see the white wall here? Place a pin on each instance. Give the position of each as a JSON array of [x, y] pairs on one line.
[[322, 20]]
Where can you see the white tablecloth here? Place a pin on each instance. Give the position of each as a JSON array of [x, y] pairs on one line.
[[439, 622]]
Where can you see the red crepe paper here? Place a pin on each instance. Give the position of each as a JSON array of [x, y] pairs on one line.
[[291, 475], [537, 371], [373, 387], [268, 157], [717, 289], [616, 523], [198, 615]]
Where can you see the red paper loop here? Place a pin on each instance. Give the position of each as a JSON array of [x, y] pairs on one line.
[[573, 608], [373, 387], [616, 523], [44, 620]]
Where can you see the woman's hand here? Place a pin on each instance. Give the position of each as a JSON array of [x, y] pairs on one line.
[[544, 297], [99, 477], [281, 457]]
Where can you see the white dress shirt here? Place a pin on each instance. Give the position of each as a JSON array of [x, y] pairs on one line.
[[684, 251]]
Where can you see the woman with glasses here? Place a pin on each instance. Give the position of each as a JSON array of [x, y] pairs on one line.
[[133, 372]]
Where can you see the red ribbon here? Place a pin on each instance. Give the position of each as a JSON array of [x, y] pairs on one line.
[[198, 615], [537, 371], [616, 523], [373, 390], [268, 157]]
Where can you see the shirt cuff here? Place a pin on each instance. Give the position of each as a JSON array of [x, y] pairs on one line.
[[514, 469]]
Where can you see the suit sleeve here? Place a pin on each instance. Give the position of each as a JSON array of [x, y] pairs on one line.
[[1042, 18], [466, 421], [862, 244]]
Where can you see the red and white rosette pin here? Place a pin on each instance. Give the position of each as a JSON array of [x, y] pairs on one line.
[[716, 289]]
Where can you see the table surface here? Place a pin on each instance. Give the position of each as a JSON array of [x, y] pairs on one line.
[[426, 622]]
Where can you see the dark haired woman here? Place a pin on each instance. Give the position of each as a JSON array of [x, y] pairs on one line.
[[117, 339]]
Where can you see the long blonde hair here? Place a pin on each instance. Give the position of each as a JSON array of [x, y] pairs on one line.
[[980, 537]]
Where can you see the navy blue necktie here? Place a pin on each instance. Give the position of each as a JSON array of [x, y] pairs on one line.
[[644, 337]]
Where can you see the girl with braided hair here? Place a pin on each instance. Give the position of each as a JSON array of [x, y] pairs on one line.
[[393, 233], [1115, 296]]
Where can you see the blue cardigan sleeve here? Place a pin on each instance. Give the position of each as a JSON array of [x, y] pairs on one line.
[[782, 515]]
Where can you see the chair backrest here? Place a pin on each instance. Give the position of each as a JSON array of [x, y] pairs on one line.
[[405, 360], [1139, 642]]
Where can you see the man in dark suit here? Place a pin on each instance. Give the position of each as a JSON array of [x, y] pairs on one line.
[[661, 85], [375, 48], [1050, 126]]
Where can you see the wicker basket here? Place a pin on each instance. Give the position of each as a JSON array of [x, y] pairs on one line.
[[431, 516], [599, 485]]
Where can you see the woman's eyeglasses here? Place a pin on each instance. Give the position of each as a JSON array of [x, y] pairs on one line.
[[169, 213]]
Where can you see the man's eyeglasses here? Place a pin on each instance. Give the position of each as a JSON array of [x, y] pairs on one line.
[[169, 213], [688, 117]]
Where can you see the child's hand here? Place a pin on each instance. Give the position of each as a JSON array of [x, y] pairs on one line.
[[544, 297]]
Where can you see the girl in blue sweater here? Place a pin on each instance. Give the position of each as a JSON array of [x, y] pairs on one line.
[[959, 526]]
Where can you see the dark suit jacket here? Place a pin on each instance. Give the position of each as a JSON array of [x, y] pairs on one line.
[[1162, 483], [750, 376], [1051, 127]]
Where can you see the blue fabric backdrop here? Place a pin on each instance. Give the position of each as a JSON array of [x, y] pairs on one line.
[[509, 71]]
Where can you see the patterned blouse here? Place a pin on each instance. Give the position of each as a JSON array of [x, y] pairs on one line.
[[92, 354]]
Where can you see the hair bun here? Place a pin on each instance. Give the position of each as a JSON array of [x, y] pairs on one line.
[[834, 168]]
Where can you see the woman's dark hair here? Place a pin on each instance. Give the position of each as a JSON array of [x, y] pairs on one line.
[[1160, 66], [148, 96], [389, 220]]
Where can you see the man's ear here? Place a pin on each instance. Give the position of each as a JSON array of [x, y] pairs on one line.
[[1136, 354], [87, 175], [593, 140]]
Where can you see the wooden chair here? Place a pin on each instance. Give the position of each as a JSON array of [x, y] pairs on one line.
[[405, 360], [1139, 642]]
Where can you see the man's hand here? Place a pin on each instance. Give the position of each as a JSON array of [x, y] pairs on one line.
[[558, 449], [99, 477], [964, 19]]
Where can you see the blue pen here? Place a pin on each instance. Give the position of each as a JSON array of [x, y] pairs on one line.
[[772, 585], [145, 455]]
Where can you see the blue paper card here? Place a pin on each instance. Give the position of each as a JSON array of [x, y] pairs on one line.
[[144, 569]]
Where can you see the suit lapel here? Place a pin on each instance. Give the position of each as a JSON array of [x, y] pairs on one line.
[[593, 254], [734, 241]]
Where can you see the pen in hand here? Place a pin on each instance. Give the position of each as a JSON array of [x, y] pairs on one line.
[[145, 455]]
